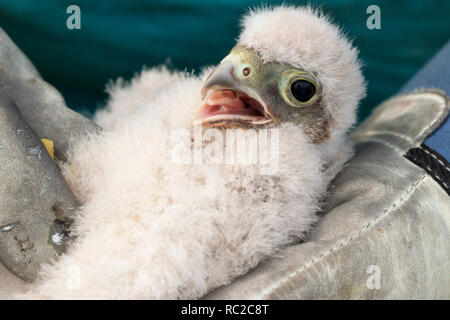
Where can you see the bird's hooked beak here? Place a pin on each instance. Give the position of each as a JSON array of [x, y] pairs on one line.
[[228, 102]]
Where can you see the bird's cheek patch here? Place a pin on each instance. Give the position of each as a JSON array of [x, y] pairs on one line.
[[320, 131]]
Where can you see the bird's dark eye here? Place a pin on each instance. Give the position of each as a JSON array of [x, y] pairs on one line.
[[303, 90]]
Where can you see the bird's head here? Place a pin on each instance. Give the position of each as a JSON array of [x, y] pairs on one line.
[[290, 65]]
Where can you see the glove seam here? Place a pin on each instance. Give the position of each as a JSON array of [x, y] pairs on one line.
[[341, 243], [418, 138]]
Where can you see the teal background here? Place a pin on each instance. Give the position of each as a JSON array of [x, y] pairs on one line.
[[118, 37]]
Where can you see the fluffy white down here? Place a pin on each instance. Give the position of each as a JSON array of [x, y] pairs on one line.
[[150, 228]]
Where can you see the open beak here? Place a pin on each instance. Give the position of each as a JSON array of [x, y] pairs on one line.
[[226, 102]]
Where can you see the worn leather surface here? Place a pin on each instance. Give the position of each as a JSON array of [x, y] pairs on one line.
[[383, 211], [40, 104], [35, 202], [435, 74]]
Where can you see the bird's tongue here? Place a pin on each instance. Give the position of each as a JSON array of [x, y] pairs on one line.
[[225, 102]]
